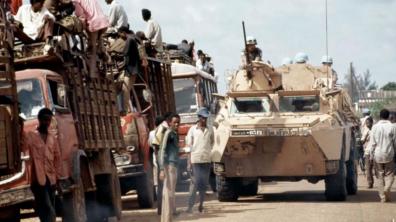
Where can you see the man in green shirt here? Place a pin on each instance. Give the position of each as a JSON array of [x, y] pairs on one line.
[[169, 159]]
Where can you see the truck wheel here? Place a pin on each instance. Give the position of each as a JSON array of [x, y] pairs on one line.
[[336, 189], [145, 189], [10, 214], [74, 204], [250, 189], [116, 194], [227, 189]]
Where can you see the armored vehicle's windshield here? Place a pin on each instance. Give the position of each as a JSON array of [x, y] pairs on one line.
[[299, 104], [185, 95], [250, 105]]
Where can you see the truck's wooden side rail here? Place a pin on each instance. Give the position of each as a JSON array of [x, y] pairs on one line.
[[159, 78], [9, 127], [95, 109]]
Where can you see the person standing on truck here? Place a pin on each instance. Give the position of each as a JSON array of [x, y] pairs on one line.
[[153, 31], [36, 22], [168, 162], [132, 66], [156, 143], [382, 150], [200, 138], [46, 169], [117, 16], [91, 15], [369, 163], [327, 63]]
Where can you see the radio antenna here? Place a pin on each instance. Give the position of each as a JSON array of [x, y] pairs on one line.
[[327, 43]]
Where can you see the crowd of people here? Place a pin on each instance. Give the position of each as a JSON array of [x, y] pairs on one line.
[[378, 151]]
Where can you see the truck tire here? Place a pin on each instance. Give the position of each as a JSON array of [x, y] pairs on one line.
[[10, 214], [73, 204], [116, 194], [336, 189], [227, 189], [250, 189], [145, 189]]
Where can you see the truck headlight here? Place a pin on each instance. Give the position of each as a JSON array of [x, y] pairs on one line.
[[122, 159]]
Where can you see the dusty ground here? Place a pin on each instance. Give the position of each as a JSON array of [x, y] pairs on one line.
[[299, 201]]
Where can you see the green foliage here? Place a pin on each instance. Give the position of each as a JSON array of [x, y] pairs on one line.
[[389, 86], [376, 107]]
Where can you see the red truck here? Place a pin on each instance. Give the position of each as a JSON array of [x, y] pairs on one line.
[[86, 122]]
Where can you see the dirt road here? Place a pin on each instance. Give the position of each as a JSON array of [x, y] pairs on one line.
[[279, 202], [299, 201]]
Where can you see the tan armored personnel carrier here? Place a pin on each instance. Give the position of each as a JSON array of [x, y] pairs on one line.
[[284, 125]]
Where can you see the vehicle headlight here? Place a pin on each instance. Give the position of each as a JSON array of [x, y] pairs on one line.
[[122, 159]]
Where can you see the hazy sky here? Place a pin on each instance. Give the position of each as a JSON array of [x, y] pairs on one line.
[[360, 31]]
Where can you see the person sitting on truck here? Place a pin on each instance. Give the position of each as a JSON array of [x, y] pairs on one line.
[[327, 63], [117, 16], [91, 15], [34, 23], [47, 165], [202, 63], [153, 31]]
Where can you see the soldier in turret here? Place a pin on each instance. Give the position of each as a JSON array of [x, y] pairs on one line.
[[327, 63]]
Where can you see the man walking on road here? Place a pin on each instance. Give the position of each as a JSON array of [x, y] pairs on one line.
[[369, 163], [46, 170], [201, 139], [383, 144], [169, 159], [156, 143]]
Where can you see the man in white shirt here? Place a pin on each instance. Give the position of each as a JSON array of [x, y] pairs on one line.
[[153, 31], [200, 138], [117, 16], [37, 22], [383, 144]]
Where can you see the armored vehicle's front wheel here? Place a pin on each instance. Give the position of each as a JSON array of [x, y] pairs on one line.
[[227, 188], [248, 189], [336, 189]]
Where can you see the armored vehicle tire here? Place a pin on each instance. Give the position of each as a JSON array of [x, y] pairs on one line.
[[352, 177], [336, 189], [145, 189], [74, 204], [249, 189], [227, 189]]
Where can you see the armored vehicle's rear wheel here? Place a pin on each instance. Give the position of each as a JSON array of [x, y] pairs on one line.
[[248, 189], [227, 188], [352, 177], [336, 189]]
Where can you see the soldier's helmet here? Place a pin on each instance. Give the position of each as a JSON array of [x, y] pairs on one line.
[[301, 57], [327, 60], [287, 61], [251, 40]]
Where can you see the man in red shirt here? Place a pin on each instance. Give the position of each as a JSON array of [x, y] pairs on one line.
[[46, 169]]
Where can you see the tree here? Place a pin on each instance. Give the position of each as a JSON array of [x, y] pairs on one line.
[[389, 86], [365, 81], [356, 83]]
